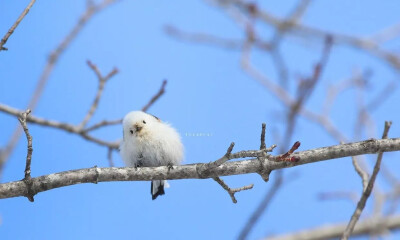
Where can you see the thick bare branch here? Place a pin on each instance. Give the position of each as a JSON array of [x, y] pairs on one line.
[[94, 175]]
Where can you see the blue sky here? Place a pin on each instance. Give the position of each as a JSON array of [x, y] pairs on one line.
[[207, 92]]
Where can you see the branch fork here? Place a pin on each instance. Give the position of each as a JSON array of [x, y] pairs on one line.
[[232, 191], [204, 170]]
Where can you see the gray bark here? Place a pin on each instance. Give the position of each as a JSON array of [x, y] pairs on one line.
[[195, 171]]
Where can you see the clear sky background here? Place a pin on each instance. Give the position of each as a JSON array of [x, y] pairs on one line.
[[207, 93]]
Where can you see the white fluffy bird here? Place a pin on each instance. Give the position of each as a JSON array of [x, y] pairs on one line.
[[149, 142]]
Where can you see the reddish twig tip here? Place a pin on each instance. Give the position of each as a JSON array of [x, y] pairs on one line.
[[286, 157]]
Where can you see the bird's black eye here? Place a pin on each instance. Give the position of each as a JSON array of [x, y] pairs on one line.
[[144, 121], [131, 131]]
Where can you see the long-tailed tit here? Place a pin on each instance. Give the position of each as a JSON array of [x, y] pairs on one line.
[[149, 142]]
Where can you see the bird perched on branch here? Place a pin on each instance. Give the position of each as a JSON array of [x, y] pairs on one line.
[[149, 142]]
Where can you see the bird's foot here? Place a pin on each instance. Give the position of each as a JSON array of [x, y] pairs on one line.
[[170, 166], [138, 164]]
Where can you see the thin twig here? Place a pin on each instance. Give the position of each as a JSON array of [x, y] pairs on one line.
[[102, 81], [305, 89], [58, 125], [388, 175], [222, 160], [261, 207], [78, 129], [109, 157], [305, 31], [264, 172], [90, 11], [290, 21], [367, 191], [155, 97], [22, 120], [202, 169], [119, 121], [364, 119], [27, 178], [363, 175], [15, 25], [334, 90], [382, 96], [287, 156], [286, 98], [232, 191], [304, 92], [202, 38], [103, 124], [352, 196], [262, 138]]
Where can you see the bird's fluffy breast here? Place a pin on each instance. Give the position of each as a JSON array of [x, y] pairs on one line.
[[160, 146]]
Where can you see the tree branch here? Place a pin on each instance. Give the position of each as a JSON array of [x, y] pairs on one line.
[[79, 129], [15, 25], [261, 207], [367, 191], [102, 81], [366, 227], [59, 125], [90, 11], [155, 97], [144, 108], [190, 171], [232, 191], [27, 178], [363, 175], [302, 30]]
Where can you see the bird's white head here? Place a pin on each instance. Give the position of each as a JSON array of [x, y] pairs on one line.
[[139, 124]]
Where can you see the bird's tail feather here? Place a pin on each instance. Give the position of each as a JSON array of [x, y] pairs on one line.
[[157, 188]]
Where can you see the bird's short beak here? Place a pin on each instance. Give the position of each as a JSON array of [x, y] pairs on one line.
[[138, 128]]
